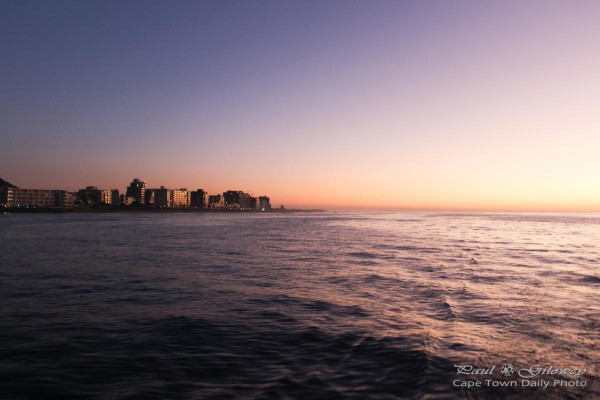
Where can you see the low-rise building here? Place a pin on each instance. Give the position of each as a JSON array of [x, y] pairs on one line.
[[62, 198], [7, 195], [17, 197], [128, 201]]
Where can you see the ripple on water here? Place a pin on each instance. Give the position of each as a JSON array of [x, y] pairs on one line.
[[308, 306], [182, 356]]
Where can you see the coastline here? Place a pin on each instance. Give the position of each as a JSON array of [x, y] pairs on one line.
[[81, 210]]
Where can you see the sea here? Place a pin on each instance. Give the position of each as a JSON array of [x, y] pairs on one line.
[[299, 306]]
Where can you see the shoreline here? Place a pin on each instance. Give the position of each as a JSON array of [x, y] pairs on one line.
[[81, 210]]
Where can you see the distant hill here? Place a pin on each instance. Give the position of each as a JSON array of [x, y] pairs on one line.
[[3, 183]]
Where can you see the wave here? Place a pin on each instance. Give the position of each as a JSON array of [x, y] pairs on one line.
[[195, 358]]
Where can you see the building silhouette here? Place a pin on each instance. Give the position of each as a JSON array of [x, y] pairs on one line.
[[199, 199], [93, 196], [137, 191], [216, 201], [264, 203], [164, 197], [237, 199], [136, 195], [17, 197]]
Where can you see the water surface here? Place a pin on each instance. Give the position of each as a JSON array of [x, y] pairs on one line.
[[311, 306]]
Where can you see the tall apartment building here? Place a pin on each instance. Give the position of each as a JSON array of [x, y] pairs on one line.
[[150, 197], [137, 191], [199, 198], [264, 203], [93, 196], [181, 197], [216, 201], [248, 203], [115, 198], [234, 198], [164, 197], [161, 197]]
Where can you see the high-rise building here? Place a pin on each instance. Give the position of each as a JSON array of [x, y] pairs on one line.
[[181, 197], [164, 197], [216, 201], [264, 203], [137, 191], [248, 203], [149, 197], [199, 199], [233, 198], [93, 196], [115, 198]]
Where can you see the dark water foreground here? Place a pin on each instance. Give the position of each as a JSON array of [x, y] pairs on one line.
[[315, 306]]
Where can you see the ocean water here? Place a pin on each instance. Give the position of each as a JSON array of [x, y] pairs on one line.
[[297, 306]]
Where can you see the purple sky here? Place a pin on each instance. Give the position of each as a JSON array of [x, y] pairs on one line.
[[475, 105]]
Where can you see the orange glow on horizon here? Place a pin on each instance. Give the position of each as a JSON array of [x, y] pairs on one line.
[[475, 107]]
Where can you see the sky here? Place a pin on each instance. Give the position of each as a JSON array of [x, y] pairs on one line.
[[433, 105]]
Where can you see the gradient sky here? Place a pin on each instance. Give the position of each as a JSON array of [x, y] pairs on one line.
[[465, 105]]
